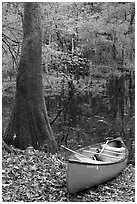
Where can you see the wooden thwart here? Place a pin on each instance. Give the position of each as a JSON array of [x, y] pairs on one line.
[[103, 148]]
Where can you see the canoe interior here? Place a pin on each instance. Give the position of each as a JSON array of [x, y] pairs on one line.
[[114, 151], [116, 143]]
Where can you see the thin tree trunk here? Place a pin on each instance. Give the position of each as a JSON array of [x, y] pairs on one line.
[[29, 123]]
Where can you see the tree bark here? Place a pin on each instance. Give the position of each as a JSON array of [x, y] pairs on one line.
[[29, 124]]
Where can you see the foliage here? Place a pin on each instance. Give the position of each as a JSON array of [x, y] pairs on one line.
[[11, 36], [33, 176], [69, 64], [98, 31]]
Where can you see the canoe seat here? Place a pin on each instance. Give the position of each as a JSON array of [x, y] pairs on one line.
[[98, 157]]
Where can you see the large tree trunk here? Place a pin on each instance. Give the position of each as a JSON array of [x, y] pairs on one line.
[[29, 124]]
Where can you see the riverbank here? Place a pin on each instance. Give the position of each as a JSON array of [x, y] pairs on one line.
[[32, 176]]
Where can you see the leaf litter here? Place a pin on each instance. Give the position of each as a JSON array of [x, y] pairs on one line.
[[32, 175]]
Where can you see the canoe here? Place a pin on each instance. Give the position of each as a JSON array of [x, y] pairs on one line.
[[96, 164]]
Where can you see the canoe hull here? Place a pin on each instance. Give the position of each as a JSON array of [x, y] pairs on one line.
[[81, 176], [85, 171]]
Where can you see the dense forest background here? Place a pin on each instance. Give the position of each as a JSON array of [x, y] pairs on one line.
[[88, 53], [88, 61]]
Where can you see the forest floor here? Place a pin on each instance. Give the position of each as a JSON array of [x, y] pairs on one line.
[[31, 175]]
